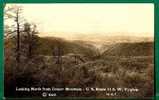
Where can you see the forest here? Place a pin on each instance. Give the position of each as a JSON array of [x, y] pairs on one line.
[[34, 61]]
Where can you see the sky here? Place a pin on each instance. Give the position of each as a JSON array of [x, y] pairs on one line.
[[67, 20]]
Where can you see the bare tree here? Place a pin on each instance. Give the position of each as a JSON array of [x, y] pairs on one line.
[[18, 34], [12, 30], [13, 26], [9, 16]]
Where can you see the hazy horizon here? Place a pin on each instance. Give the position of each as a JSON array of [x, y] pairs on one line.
[[77, 35]]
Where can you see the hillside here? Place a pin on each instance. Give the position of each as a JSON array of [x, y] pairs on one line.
[[130, 49], [82, 64], [47, 44]]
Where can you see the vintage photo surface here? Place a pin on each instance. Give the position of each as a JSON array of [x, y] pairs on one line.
[[79, 50]]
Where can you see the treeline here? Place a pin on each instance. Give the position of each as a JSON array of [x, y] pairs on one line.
[[20, 32]]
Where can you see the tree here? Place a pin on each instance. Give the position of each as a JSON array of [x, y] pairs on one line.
[[16, 29], [12, 30], [18, 34], [58, 52], [8, 18], [13, 15], [30, 32]]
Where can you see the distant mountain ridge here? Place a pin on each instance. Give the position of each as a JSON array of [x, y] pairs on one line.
[[103, 38], [90, 49]]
